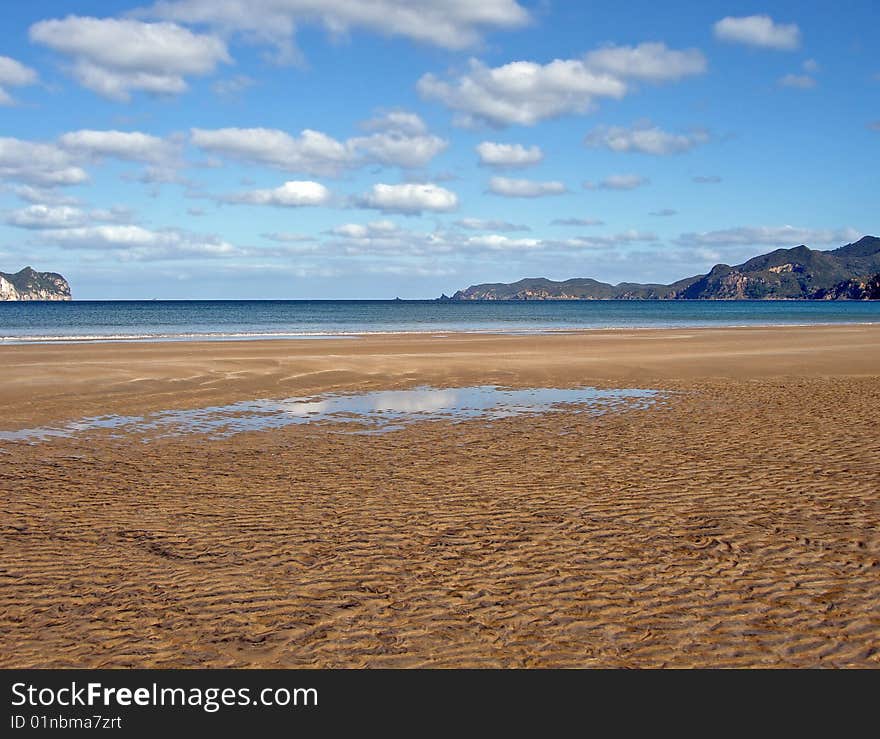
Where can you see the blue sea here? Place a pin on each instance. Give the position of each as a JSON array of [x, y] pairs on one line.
[[26, 322]]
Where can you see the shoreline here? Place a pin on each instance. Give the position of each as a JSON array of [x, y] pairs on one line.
[[324, 335], [63, 382]]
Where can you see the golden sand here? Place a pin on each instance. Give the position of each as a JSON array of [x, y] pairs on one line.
[[734, 523]]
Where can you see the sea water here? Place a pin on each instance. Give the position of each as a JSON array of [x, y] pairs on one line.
[[257, 319]]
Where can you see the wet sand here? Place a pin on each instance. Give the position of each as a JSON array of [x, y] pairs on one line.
[[736, 522]]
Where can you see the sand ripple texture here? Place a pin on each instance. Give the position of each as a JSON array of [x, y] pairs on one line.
[[733, 524]]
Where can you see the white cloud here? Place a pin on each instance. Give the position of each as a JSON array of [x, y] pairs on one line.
[[480, 224], [522, 92], [13, 74], [577, 222], [497, 242], [316, 153], [136, 243], [613, 240], [62, 216], [46, 216], [39, 164], [759, 30], [618, 182], [811, 65], [293, 194], [525, 92], [644, 138], [127, 145], [401, 121], [652, 61], [311, 152], [409, 198], [114, 57], [451, 24], [508, 155], [516, 188], [398, 149], [42, 195], [798, 81], [781, 236], [365, 230]]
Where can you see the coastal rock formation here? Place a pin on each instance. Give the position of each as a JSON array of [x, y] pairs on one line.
[[28, 284], [852, 290], [801, 273]]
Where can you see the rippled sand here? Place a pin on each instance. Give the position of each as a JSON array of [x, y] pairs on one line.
[[732, 523]]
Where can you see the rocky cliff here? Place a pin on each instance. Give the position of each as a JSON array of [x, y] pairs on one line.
[[801, 273], [28, 284]]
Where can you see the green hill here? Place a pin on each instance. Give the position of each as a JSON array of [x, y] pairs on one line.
[[799, 273]]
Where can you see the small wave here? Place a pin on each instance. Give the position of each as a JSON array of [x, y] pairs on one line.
[[437, 331]]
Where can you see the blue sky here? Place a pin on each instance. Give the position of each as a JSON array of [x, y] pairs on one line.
[[340, 149]]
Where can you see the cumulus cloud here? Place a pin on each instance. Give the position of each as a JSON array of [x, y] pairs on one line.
[[522, 92], [780, 236], [114, 57], [45, 216], [292, 194], [526, 92], [41, 195], [311, 152], [653, 62], [399, 140], [409, 198], [39, 164], [482, 224], [759, 30], [644, 138], [401, 121], [62, 216], [13, 74], [516, 188], [798, 81], [448, 24], [365, 230], [136, 243], [577, 222], [128, 145], [508, 155], [618, 182]]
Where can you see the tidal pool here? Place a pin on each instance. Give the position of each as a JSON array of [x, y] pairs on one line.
[[372, 412]]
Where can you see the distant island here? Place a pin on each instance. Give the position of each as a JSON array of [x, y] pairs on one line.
[[851, 272], [28, 284]]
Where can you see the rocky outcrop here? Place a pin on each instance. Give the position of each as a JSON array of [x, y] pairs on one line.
[[800, 273], [852, 290], [28, 284]]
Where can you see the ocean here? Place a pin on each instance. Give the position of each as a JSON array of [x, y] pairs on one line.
[[28, 322]]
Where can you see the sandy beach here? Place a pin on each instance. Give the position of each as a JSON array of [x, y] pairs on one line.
[[733, 523]]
